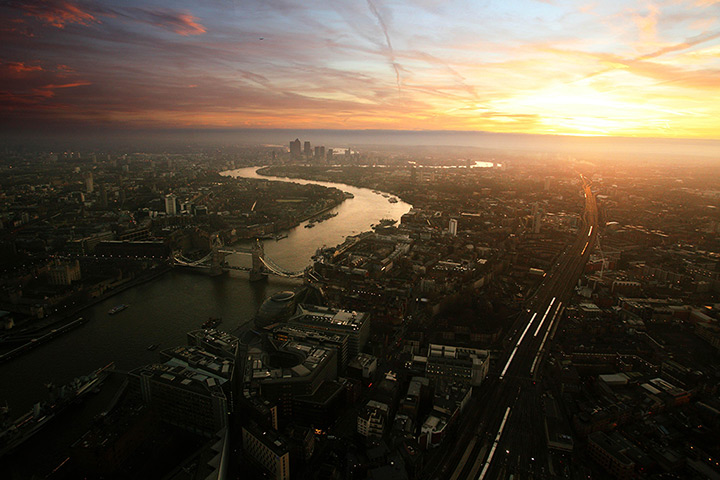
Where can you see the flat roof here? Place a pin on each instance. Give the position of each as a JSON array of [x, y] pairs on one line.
[[270, 438], [340, 318], [182, 377]]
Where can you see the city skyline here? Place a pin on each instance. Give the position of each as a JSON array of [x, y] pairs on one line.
[[536, 67]]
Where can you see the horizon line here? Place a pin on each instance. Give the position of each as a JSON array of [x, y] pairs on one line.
[[40, 134]]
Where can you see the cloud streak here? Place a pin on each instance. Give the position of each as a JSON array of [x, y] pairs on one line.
[[183, 24], [391, 53]]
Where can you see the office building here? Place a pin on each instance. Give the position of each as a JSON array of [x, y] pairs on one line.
[[609, 452], [452, 228], [185, 397], [201, 360], [457, 364], [295, 151], [363, 366], [171, 204], [89, 187], [449, 402], [282, 374], [373, 419], [356, 325], [268, 449], [64, 272], [335, 341], [214, 341]]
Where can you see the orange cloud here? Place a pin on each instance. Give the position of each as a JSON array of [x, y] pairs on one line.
[[22, 68], [183, 24], [59, 13], [188, 25], [67, 85], [48, 91]]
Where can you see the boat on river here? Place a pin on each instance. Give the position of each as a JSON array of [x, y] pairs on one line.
[[117, 309], [15, 433], [326, 216], [386, 222]]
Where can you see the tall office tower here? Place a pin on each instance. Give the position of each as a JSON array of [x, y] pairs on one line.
[[308, 150], [171, 204], [330, 155], [103, 196], [452, 228], [89, 187], [537, 222], [295, 151]]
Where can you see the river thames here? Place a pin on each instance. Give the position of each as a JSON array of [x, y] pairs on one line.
[[163, 310]]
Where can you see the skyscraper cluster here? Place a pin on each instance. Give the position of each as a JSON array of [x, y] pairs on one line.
[[305, 150]]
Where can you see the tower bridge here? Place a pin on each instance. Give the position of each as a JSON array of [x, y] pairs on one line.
[[214, 262]]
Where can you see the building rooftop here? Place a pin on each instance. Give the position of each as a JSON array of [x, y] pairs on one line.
[[372, 407], [201, 360], [216, 338], [301, 333], [362, 360], [611, 446], [270, 438], [350, 320], [436, 422], [450, 397], [185, 378], [310, 358]]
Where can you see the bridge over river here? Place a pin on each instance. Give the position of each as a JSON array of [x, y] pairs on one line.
[[214, 263]]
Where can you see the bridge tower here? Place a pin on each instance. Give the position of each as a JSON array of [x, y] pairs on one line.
[[217, 260], [258, 271]]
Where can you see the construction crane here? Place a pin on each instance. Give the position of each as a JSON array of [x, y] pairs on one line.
[[602, 256]]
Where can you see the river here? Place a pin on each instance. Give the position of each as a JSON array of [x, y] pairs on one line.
[[162, 311]]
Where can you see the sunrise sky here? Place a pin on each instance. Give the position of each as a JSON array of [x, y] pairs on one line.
[[577, 67]]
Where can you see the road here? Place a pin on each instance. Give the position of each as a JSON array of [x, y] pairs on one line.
[[505, 434]]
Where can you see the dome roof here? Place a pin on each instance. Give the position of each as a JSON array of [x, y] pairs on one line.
[[277, 308], [284, 296]]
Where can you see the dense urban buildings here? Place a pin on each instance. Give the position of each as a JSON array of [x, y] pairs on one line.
[[521, 316]]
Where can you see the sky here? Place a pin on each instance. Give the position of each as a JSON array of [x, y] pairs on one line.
[[577, 67]]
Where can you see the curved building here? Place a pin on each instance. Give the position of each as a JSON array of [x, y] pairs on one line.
[[275, 309]]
